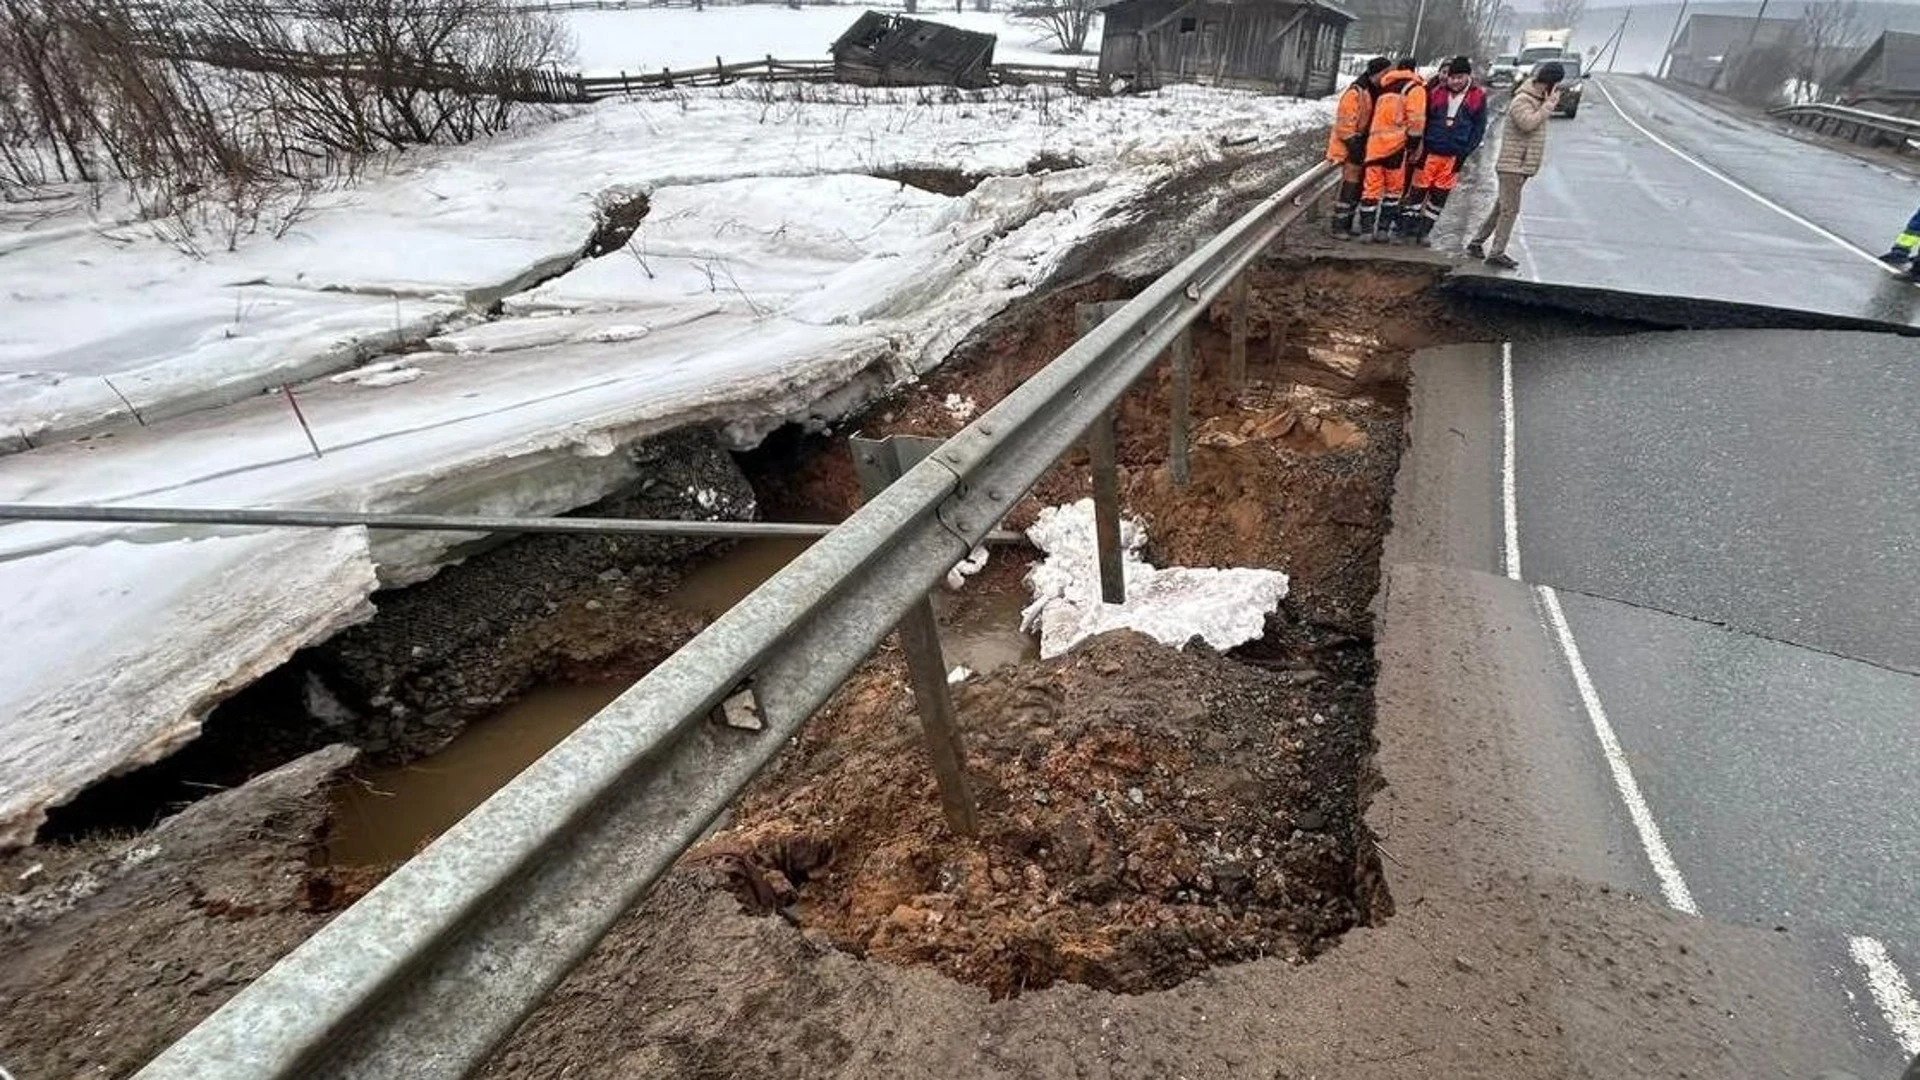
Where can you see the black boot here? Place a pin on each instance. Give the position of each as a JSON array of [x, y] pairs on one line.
[[1369, 221]]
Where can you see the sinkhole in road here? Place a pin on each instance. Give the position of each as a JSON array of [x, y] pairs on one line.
[[1149, 812]]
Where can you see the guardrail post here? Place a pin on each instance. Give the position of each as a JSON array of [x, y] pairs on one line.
[[1182, 402], [1237, 357], [880, 462], [1104, 455], [1106, 508]]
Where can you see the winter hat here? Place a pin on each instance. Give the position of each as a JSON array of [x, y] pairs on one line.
[[1550, 73], [1404, 65], [1378, 65], [1459, 65]]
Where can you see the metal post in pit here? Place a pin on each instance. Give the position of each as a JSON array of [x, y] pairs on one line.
[[1104, 460], [1183, 404], [880, 462], [1237, 357]]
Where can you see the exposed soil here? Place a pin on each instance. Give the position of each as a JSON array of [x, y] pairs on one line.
[[954, 182], [1245, 838], [1145, 814], [616, 218]]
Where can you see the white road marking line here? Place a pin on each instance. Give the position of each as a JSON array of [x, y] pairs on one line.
[[1509, 495], [1736, 185], [1672, 885], [1890, 991]]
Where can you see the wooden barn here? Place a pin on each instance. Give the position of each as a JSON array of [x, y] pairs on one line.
[[1886, 78], [892, 50], [1292, 46]]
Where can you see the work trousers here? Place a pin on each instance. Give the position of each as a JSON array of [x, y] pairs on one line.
[[1352, 176], [1380, 193], [1432, 184], [1499, 223]]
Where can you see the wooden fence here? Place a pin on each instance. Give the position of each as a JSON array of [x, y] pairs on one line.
[[1075, 79]]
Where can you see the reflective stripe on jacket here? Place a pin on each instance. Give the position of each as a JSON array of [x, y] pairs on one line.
[[1416, 109], [1387, 133]]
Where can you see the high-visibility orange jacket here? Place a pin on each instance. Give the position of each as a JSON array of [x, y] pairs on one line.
[[1387, 128], [1350, 119], [1416, 94]]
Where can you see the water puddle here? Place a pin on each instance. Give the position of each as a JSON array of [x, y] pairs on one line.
[[384, 817]]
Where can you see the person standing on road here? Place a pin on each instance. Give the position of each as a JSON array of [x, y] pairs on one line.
[[1386, 176], [1523, 146], [1416, 95], [1456, 122], [1347, 146], [1906, 247]]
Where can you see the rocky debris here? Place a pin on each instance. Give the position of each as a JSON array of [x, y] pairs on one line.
[[443, 653], [1145, 815], [118, 952]]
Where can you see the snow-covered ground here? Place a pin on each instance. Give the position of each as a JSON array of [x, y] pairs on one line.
[[610, 42], [772, 279]]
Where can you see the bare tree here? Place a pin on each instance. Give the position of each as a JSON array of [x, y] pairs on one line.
[[1565, 13], [1827, 34], [226, 102], [1069, 21]]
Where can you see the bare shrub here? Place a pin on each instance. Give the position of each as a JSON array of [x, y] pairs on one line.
[[1068, 21], [224, 115]]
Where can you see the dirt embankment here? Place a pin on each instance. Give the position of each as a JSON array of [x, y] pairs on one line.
[[1150, 813]]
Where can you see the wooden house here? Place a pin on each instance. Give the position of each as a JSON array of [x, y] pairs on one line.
[[1292, 46], [892, 50]]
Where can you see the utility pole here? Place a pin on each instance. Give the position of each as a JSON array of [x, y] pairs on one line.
[[1679, 21], [1419, 17], [1754, 31], [1619, 36]]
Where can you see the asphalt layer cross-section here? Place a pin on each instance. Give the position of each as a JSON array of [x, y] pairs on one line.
[[1615, 212]]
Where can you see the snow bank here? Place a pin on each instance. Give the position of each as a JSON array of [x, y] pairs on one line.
[[223, 602], [109, 316], [1173, 606], [611, 42]]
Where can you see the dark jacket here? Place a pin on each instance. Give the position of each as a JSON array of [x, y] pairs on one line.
[[1460, 135]]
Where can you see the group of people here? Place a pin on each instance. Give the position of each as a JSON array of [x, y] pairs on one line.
[[1401, 140]]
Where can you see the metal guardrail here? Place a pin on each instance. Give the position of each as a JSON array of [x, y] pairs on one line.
[[1859, 125], [430, 970]]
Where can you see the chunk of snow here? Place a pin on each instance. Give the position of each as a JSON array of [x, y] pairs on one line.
[[975, 561], [960, 408], [384, 373], [959, 675], [1173, 605]]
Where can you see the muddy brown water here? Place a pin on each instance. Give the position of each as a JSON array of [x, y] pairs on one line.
[[384, 816]]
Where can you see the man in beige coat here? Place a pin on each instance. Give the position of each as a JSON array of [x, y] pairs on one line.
[[1523, 146]]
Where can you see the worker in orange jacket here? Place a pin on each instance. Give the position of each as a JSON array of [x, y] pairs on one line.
[[1347, 146], [1416, 98], [1385, 179]]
